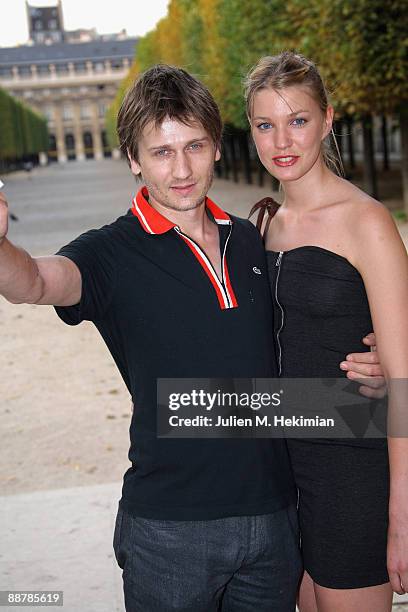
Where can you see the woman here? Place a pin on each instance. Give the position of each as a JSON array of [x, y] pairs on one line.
[[336, 264]]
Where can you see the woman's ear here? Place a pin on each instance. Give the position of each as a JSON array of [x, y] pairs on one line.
[[328, 120]]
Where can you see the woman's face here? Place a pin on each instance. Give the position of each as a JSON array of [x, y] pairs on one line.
[[288, 127]]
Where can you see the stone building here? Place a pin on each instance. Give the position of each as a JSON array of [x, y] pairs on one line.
[[71, 83]]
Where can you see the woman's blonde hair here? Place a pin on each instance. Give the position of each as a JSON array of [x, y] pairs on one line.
[[287, 69]]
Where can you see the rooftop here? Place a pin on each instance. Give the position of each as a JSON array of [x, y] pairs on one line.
[[59, 52]]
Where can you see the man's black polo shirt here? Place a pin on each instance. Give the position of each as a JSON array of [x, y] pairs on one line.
[[163, 313]]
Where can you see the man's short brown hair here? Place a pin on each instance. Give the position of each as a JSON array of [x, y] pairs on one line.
[[165, 91]]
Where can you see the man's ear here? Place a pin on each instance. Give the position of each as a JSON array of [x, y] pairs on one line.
[[134, 165]]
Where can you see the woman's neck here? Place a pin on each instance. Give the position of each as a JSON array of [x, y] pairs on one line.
[[310, 191]]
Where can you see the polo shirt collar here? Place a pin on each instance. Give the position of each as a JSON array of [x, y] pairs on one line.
[[154, 222]]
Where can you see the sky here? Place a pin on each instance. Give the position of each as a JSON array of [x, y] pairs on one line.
[[107, 16]]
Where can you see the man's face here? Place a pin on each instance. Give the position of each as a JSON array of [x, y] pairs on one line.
[[176, 162]]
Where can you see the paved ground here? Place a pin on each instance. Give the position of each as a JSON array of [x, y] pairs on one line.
[[58, 536]]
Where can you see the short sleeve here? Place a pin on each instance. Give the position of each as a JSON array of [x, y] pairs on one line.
[[94, 255]]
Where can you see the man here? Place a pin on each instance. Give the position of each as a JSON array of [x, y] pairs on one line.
[[174, 288]]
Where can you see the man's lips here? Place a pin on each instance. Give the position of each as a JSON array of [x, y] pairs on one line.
[[183, 189], [285, 160]]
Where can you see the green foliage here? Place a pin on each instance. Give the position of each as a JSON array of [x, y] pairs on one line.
[[23, 131], [360, 47], [251, 30], [400, 215]]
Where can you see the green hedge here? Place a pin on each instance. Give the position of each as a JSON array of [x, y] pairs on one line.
[[22, 131]]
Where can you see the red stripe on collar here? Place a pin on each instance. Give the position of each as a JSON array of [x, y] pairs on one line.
[[150, 219], [154, 222], [219, 215]]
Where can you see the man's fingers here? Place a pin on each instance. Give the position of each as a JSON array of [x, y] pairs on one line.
[[367, 379], [369, 340], [368, 357], [372, 393], [364, 369]]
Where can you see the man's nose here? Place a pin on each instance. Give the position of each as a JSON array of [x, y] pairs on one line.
[[182, 166]]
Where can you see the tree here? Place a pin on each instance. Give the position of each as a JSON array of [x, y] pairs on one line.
[[360, 47], [23, 131]]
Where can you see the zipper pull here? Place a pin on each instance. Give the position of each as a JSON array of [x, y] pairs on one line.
[[278, 261]]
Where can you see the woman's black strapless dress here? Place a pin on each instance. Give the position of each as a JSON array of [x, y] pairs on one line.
[[321, 314]]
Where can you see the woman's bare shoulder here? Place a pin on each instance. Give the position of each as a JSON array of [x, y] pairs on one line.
[[359, 208]]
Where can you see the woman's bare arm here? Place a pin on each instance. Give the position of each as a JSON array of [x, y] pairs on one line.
[[381, 258]]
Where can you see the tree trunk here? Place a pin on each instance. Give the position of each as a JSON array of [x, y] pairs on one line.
[[218, 169], [404, 155], [243, 140], [338, 132], [261, 170], [275, 183], [234, 164], [350, 142], [225, 159], [386, 162], [370, 175]]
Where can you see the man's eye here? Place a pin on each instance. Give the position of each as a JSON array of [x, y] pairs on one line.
[[161, 152], [196, 146], [299, 121]]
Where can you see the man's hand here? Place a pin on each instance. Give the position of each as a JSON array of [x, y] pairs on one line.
[[366, 366], [3, 217]]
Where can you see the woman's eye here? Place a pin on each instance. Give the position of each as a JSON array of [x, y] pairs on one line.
[[264, 126], [299, 121]]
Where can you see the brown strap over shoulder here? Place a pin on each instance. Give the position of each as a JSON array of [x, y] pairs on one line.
[[266, 204]]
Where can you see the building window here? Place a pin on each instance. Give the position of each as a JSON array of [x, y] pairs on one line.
[[67, 112], [48, 112], [52, 148], [80, 67], [61, 68], [5, 72], [38, 24], [116, 65], [52, 24], [105, 144], [85, 110], [70, 146], [24, 70], [102, 108], [43, 69], [88, 144], [99, 66]]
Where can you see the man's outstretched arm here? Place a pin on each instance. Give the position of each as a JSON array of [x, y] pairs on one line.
[[52, 280]]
